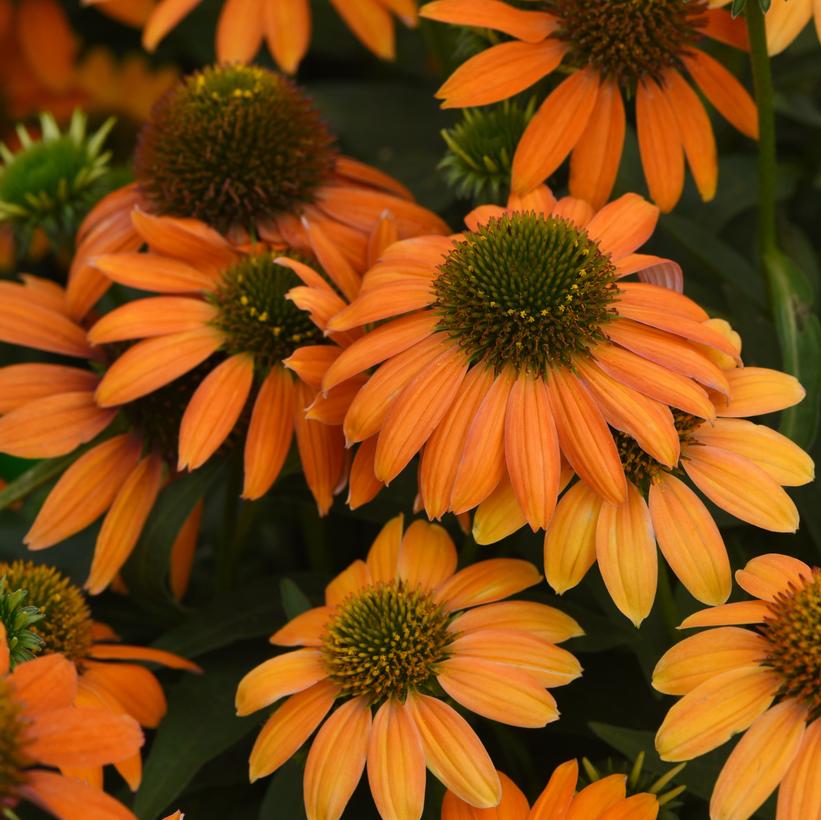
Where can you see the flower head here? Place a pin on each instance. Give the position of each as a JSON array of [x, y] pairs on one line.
[[764, 681], [396, 631], [508, 359], [611, 50]]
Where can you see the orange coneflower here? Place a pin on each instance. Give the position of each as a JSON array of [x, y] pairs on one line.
[[729, 679], [611, 50], [41, 727], [107, 678], [244, 150], [285, 25], [395, 631], [504, 364], [49, 410], [604, 799]]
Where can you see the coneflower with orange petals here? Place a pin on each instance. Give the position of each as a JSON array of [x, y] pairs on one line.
[[43, 729], [48, 410], [284, 25], [763, 681], [108, 679], [500, 365], [396, 630], [609, 51], [245, 151]]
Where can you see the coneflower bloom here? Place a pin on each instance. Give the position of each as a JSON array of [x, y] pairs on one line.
[[396, 630], [245, 151], [740, 466], [610, 51], [48, 410], [503, 362], [285, 26], [42, 730], [244, 309], [604, 799], [108, 677], [764, 681]]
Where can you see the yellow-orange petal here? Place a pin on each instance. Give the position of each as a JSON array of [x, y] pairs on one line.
[[487, 581], [626, 554], [165, 17], [311, 362], [668, 302], [383, 555], [427, 555], [147, 271], [755, 391], [396, 763], [498, 516], [554, 130], [799, 795], [624, 224], [289, 727], [768, 575], [513, 805], [714, 711], [741, 488], [303, 630], [584, 436], [239, 31], [570, 541], [331, 777], [156, 316], [124, 522], [558, 794], [363, 485], [24, 383], [690, 540], [133, 688], [270, 432], [785, 21], [153, 363], [288, 31], [599, 796], [757, 764], [214, 409], [277, 677], [543, 621], [743, 612], [63, 797], [454, 753], [355, 576], [118, 651], [84, 491], [497, 692], [700, 657]]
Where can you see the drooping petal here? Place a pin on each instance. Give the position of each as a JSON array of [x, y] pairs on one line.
[[785, 21]]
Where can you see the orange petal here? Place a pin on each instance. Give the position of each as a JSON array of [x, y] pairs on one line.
[[573, 210], [513, 805], [142, 653], [623, 225], [767, 576], [642, 806], [698, 658], [124, 522], [239, 31], [626, 553], [288, 32], [800, 792], [153, 363], [785, 21], [269, 433], [330, 778], [182, 552], [330, 408], [570, 542], [383, 302], [690, 540], [454, 753], [501, 71], [668, 302], [214, 409], [23, 383], [487, 581], [755, 391], [530, 26], [47, 42], [757, 764], [349, 581], [713, 712], [383, 556], [364, 174], [84, 491], [595, 160], [543, 621], [600, 795], [289, 727], [384, 234], [165, 17], [554, 131], [152, 317], [311, 362], [497, 692], [64, 797], [743, 612], [45, 683], [131, 688], [498, 516], [371, 24], [558, 794], [482, 465], [532, 450], [736, 485], [584, 436], [304, 630], [280, 676], [417, 411], [148, 271], [333, 261], [427, 555], [396, 763]]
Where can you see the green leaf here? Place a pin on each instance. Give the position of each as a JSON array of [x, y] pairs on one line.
[[294, 600], [201, 723], [147, 569], [738, 7], [284, 795]]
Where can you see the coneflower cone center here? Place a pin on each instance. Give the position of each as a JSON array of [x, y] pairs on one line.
[[628, 40], [232, 145], [526, 291], [66, 623], [12, 757], [255, 315], [385, 640], [794, 635]]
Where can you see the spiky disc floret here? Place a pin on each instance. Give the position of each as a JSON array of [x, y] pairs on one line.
[[66, 623], [12, 756], [526, 291], [385, 641], [232, 145], [628, 40], [18, 617], [794, 636], [255, 315]]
